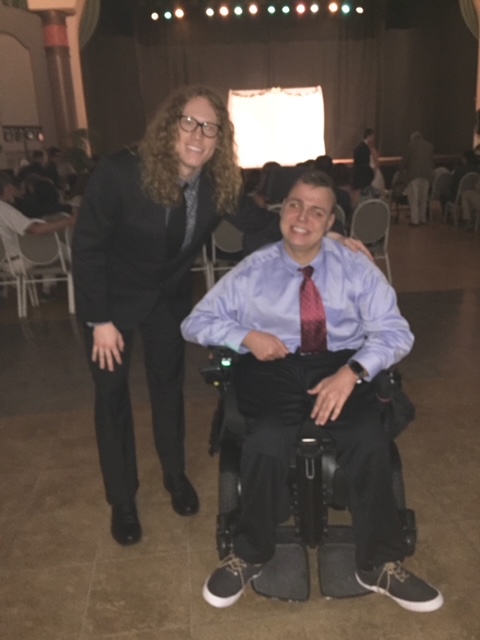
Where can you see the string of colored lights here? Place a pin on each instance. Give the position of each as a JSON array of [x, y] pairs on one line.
[[238, 9]]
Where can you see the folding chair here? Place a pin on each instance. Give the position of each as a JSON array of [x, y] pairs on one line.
[[227, 248], [452, 208], [45, 260], [11, 277], [371, 225]]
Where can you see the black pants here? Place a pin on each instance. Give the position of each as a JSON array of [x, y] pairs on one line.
[[164, 350], [273, 398]]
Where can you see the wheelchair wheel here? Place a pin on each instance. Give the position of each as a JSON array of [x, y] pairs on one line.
[[229, 477]]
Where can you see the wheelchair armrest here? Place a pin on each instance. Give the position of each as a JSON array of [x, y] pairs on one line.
[[397, 409]]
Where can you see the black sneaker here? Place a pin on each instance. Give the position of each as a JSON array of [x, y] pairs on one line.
[[226, 584], [393, 580]]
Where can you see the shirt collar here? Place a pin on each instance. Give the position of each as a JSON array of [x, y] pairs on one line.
[[293, 266], [190, 184]]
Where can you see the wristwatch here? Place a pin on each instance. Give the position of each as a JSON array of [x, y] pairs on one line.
[[358, 370]]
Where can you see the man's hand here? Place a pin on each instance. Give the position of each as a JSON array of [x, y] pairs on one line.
[[332, 393], [351, 243], [264, 346], [107, 346]]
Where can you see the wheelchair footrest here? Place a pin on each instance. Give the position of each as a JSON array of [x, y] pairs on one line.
[[336, 565], [287, 575]]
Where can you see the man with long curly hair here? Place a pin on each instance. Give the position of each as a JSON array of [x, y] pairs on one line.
[[132, 254]]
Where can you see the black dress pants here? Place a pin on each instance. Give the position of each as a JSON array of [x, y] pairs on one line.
[[164, 350], [273, 398]]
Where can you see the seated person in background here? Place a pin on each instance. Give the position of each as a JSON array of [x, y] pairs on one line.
[[468, 163], [325, 164], [258, 193], [13, 223], [250, 179], [470, 201], [315, 324], [342, 179], [37, 166], [54, 158], [362, 188], [40, 198]]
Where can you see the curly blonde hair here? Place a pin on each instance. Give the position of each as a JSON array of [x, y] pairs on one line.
[[160, 160]]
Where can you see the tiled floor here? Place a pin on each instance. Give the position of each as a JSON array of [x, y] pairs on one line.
[[63, 578]]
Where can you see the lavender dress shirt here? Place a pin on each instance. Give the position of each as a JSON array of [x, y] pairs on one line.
[[262, 293]]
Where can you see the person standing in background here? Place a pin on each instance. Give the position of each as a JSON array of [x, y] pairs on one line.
[[362, 152], [418, 162]]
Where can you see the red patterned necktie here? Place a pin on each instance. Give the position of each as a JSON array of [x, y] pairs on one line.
[[312, 315]]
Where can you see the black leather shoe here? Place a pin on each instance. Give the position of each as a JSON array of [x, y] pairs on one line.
[[184, 496], [125, 527]]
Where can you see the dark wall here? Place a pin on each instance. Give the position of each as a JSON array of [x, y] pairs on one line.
[[397, 72]]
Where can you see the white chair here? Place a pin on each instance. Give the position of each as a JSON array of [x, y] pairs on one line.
[[45, 260], [467, 182], [440, 188], [65, 235], [203, 264], [227, 245], [11, 277], [371, 225], [476, 222]]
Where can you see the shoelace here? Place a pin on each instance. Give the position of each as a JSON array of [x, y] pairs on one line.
[[395, 570], [234, 564]]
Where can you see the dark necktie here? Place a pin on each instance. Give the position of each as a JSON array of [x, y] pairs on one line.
[[312, 315], [176, 226]]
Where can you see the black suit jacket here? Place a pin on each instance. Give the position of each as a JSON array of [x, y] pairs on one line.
[[119, 247], [361, 155]]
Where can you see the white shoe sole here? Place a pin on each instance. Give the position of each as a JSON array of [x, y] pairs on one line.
[[418, 607], [222, 603]]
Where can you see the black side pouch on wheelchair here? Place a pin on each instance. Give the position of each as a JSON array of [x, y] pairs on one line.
[[397, 408]]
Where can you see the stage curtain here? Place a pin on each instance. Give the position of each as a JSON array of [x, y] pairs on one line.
[[394, 80]]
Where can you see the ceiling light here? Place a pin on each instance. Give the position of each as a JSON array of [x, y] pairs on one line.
[[179, 13], [210, 12], [333, 7], [154, 15], [314, 8], [253, 9], [238, 11], [223, 11], [300, 8]]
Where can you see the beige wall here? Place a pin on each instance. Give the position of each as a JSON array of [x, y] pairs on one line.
[[24, 86]]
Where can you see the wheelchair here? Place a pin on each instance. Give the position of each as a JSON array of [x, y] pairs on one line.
[[318, 490]]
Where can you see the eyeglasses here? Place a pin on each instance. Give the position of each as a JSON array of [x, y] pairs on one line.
[[189, 124]]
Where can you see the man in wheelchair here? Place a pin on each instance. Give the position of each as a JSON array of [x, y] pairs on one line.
[[315, 324]]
